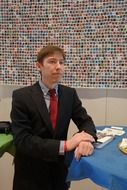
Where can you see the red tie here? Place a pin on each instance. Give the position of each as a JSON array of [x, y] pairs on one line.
[[53, 107]]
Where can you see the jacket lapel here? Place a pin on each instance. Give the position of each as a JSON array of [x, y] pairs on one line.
[[39, 100], [61, 104]]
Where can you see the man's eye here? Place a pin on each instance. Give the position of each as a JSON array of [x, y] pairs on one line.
[[61, 62], [56, 61], [52, 62]]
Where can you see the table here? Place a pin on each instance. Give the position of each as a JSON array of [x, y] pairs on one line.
[[107, 167], [6, 144]]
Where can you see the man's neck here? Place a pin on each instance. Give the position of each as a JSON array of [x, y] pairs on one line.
[[48, 84]]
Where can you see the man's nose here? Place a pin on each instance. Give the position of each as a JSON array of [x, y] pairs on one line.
[[58, 64]]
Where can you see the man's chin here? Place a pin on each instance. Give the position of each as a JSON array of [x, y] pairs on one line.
[[56, 80]]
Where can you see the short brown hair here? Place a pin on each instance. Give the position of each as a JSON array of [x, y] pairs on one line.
[[48, 50]]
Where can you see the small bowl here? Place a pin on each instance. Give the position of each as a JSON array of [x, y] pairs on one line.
[[123, 150]]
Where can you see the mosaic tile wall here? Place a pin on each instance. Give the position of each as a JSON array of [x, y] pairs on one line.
[[93, 33]]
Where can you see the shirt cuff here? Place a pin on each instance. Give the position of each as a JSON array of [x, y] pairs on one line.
[[61, 148]]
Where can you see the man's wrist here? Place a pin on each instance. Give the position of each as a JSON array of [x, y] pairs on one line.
[[65, 146]]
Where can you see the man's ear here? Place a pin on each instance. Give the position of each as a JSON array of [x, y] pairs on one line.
[[38, 66]]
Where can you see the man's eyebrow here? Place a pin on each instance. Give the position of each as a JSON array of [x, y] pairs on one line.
[[52, 58], [55, 58]]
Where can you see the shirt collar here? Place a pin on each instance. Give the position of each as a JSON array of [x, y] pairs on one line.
[[45, 89]]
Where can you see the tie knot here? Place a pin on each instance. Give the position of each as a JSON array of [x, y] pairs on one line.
[[52, 92]]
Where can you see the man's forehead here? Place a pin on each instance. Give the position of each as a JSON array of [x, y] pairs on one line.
[[55, 56]]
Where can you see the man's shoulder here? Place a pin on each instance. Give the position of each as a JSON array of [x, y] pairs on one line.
[[25, 89], [66, 89]]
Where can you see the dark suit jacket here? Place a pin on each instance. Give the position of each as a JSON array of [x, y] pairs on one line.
[[37, 159]]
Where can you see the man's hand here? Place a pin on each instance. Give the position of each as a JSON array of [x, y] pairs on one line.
[[77, 139], [83, 149]]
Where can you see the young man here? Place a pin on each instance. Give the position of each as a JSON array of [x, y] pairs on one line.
[[40, 136]]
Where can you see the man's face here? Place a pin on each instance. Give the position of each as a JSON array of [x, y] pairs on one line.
[[52, 68]]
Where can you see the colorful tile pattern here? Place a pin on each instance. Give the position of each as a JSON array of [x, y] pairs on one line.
[[93, 33]]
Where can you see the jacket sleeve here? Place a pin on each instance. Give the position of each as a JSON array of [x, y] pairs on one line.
[[80, 117]]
